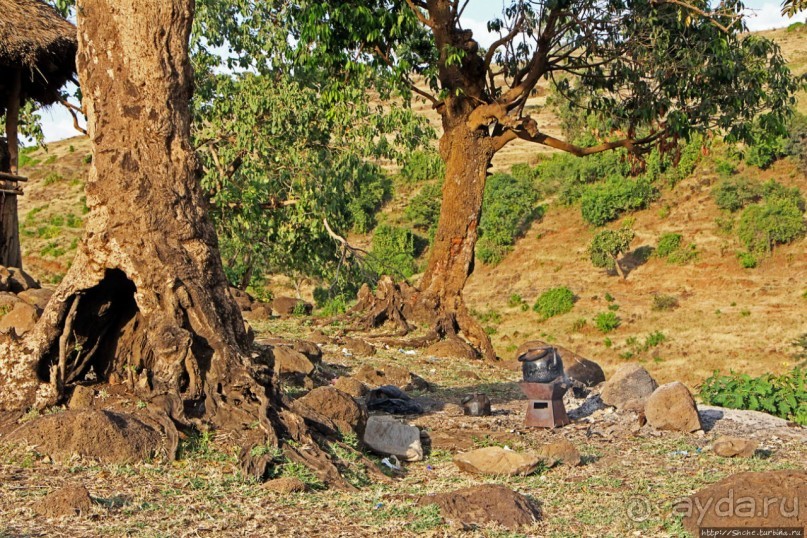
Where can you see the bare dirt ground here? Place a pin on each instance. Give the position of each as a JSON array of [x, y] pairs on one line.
[[627, 485]]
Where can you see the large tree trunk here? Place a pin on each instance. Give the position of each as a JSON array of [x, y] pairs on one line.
[[10, 255], [467, 155], [146, 302]]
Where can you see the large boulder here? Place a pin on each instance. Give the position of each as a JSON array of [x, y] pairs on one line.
[[20, 320], [671, 407], [488, 504], [242, 299], [70, 500], [5, 275], [390, 375], [358, 347], [334, 405], [631, 382], [350, 385], [106, 436], [19, 280], [494, 460], [767, 499], [389, 437], [560, 452]]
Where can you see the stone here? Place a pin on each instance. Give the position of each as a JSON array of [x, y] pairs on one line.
[[452, 348], [242, 299], [483, 505], [70, 500], [391, 375], [350, 385], [5, 276], [494, 460], [287, 306], [358, 347], [338, 407], [389, 437], [319, 337], [20, 320], [476, 405], [19, 280], [285, 485], [453, 410], [257, 312], [291, 362], [562, 451], [671, 407], [753, 499], [731, 447], [82, 397], [309, 349], [7, 301], [36, 297], [629, 382]]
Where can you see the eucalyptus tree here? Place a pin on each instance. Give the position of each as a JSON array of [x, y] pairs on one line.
[[661, 69]]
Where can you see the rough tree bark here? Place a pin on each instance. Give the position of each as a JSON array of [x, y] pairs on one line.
[[146, 301]]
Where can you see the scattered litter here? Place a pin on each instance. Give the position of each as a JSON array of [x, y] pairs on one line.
[[392, 462], [346, 353], [682, 453], [378, 506], [408, 351], [429, 468]]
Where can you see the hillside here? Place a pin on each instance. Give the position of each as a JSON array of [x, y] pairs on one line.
[[728, 317]]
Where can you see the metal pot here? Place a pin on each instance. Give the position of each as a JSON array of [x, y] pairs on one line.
[[541, 365]]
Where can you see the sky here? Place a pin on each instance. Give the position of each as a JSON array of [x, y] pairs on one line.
[[761, 15]]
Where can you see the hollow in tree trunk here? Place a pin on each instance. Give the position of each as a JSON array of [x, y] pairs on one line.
[[146, 301]]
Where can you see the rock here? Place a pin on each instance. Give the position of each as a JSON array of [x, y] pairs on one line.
[[494, 460], [749, 424], [730, 447], [391, 375], [453, 410], [350, 385], [287, 306], [561, 451], [82, 397], [764, 499], [106, 436], [243, 299], [70, 500], [585, 371], [7, 301], [358, 347], [671, 407], [258, 312], [476, 405], [5, 276], [309, 349], [338, 407], [36, 297], [291, 362], [391, 399], [387, 436], [488, 504], [19, 280], [285, 485], [629, 382], [21, 319], [452, 348], [319, 337]]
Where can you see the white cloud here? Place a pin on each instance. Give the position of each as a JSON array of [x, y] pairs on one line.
[[767, 17], [57, 124], [480, 30]]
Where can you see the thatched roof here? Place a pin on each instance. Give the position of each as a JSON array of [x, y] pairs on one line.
[[34, 38]]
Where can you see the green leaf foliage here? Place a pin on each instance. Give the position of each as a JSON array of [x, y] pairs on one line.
[[736, 193], [608, 245], [604, 203], [393, 252], [784, 395], [779, 219]]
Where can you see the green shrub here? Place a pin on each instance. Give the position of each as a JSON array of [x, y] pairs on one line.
[[603, 203], [796, 145], [608, 245], [423, 165], [423, 210], [507, 211], [606, 321], [725, 167], [393, 251], [747, 260], [784, 396], [371, 188], [768, 144], [762, 226], [734, 194], [554, 302], [671, 248], [53, 177], [795, 27], [524, 172], [569, 175], [774, 192]]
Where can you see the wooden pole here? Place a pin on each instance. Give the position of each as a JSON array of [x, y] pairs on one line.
[[13, 119]]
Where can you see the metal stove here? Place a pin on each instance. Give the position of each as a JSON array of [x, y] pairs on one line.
[[544, 383]]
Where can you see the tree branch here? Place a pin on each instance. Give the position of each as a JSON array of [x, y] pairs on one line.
[[702, 13], [415, 6]]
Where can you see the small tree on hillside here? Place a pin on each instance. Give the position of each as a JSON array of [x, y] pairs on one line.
[[607, 246]]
